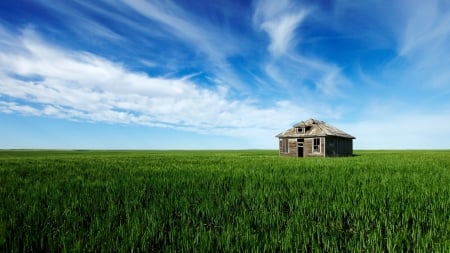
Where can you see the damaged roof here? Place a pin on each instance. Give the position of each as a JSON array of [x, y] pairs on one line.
[[313, 128]]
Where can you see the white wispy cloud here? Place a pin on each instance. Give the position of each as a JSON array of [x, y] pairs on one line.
[[192, 29], [42, 79], [279, 19], [427, 27], [148, 23], [424, 43], [307, 76], [418, 32], [80, 23], [292, 71], [214, 42]]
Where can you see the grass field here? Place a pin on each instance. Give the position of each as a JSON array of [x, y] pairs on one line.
[[124, 201]]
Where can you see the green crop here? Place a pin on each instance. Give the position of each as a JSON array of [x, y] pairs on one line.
[[223, 201]]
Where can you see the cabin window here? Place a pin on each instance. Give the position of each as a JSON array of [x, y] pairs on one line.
[[316, 146], [300, 130], [284, 146]]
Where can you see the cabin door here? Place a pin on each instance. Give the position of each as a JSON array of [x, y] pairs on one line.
[[300, 147]]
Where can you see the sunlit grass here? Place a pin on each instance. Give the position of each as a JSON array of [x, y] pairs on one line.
[[127, 201]]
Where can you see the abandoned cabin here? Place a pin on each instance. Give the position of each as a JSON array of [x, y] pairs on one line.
[[315, 138]]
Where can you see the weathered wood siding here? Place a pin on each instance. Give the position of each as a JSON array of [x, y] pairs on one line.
[[308, 150], [329, 146], [292, 147], [309, 144]]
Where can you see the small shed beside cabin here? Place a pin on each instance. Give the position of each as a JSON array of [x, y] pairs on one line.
[[315, 138]]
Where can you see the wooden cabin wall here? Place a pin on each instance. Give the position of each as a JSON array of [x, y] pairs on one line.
[[292, 147], [308, 147], [329, 146], [323, 142], [336, 146], [346, 147]]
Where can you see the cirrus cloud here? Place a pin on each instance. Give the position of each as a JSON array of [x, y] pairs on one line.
[[41, 79]]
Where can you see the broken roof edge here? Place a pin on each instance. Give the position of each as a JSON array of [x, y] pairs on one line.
[[283, 135], [309, 122], [322, 129]]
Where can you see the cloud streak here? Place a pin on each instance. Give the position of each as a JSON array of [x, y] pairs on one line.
[[279, 19], [41, 79], [425, 44]]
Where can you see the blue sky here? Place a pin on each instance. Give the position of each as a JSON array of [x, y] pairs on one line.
[[222, 74]]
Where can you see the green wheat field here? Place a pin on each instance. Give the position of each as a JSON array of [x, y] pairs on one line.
[[223, 201]]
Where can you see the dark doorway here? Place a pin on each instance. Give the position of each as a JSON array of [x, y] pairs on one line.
[[300, 147]]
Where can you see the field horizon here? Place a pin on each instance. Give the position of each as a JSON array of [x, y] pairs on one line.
[[237, 149]]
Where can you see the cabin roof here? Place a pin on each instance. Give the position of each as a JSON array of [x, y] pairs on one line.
[[313, 128]]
